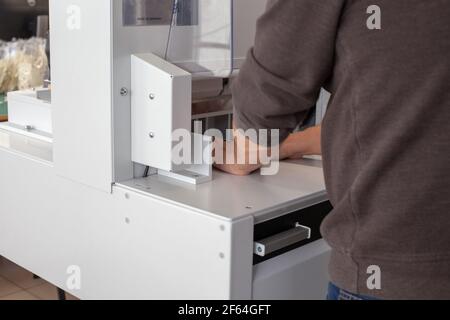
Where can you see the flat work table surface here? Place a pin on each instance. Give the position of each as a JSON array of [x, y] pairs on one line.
[[297, 185]]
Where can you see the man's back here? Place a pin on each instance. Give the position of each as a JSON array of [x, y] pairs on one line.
[[386, 136]]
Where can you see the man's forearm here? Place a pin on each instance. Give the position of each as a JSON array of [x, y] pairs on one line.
[[303, 143]]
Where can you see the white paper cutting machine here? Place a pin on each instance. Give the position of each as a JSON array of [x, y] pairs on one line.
[[74, 200]]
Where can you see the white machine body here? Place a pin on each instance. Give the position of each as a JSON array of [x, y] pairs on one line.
[[125, 75]]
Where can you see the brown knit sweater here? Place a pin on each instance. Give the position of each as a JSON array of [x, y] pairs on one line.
[[386, 136]]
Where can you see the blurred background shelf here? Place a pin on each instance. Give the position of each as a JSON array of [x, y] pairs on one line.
[[19, 18]]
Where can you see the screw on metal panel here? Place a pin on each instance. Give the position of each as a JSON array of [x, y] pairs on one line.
[[249, 207], [222, 228], [259, 249], [127, 196], [222, 255], [29, 127], [152, 96], [151, 135], [127, 220], [124, 92]]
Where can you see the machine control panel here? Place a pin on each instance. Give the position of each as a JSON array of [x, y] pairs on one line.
[[160, 12], [147, 12]]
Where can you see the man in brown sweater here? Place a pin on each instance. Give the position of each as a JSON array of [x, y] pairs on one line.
[[385, 139]]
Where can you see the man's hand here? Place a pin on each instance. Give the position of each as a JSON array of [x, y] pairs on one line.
[[239, 157], [244, 158]]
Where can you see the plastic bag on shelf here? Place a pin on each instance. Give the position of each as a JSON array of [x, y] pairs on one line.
[[23, 64], [7, 78]]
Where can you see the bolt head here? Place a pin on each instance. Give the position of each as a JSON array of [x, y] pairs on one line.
[[124, 92]]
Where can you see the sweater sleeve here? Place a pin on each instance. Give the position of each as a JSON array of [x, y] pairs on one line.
[[291, 60]]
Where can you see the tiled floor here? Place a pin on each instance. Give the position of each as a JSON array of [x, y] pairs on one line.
[[17, 283]]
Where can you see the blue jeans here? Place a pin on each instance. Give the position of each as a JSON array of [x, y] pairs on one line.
[[336, 293]]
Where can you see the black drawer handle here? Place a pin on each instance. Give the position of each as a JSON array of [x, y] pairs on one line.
[[279, 241]]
